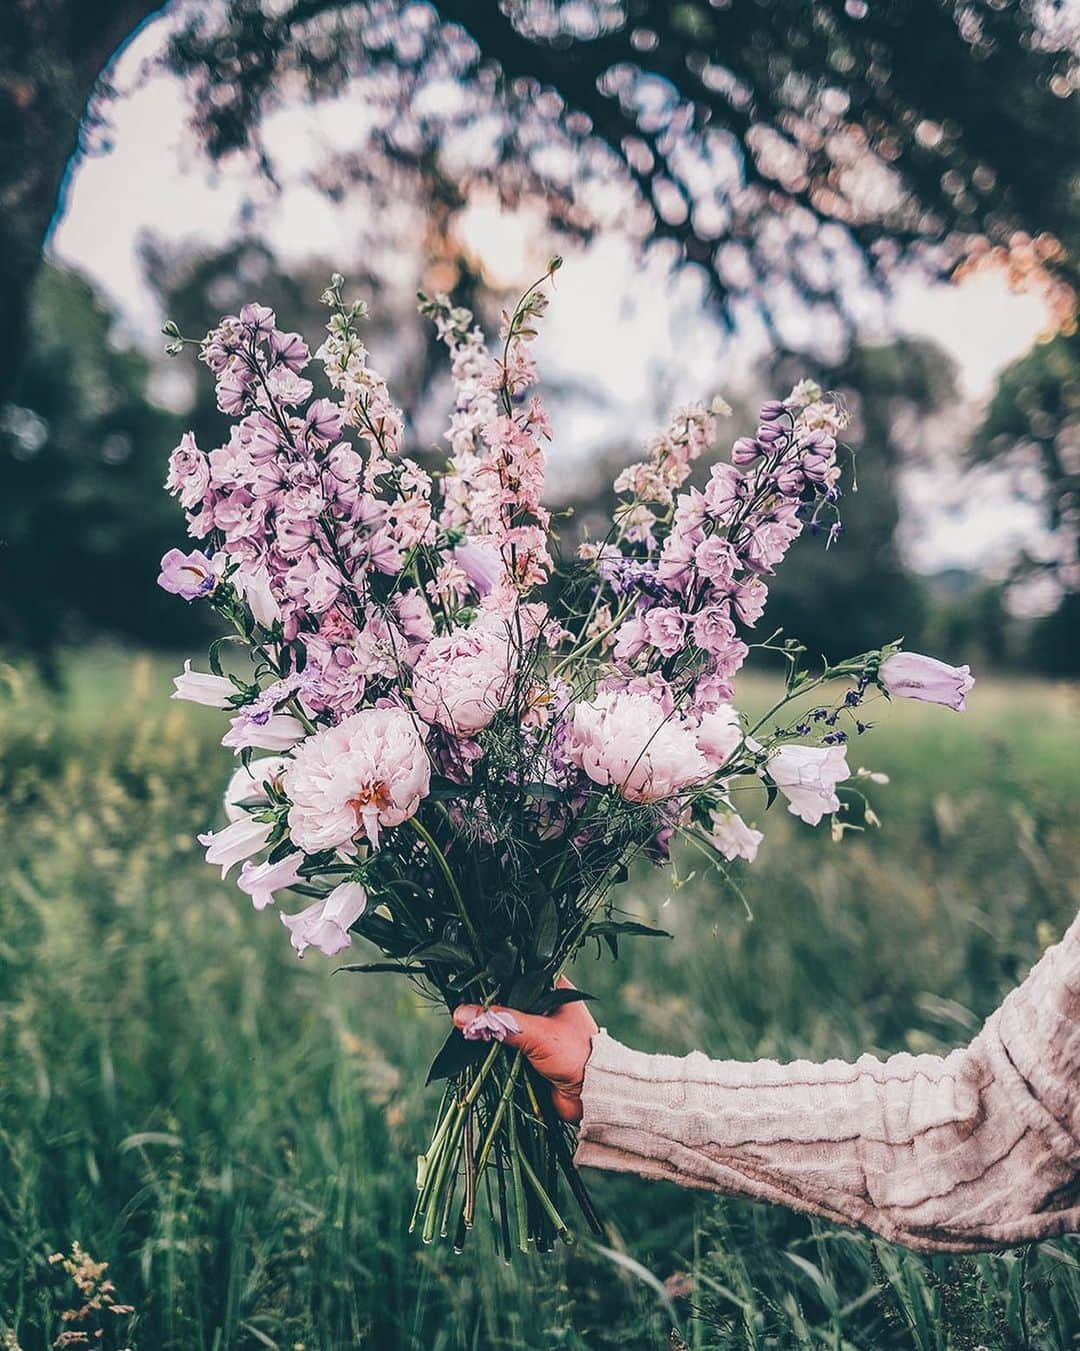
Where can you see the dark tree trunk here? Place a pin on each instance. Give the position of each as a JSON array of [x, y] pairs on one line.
[[52, 57]]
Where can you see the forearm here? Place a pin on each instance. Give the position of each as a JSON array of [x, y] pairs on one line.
[[977, 1149]]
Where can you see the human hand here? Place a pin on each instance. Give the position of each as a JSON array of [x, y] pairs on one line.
[[556, 1045]]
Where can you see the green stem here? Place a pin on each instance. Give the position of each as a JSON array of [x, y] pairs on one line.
[[545, 1200], [444, 867], [830, 673], [519, 1190], [431, 1217], [500, 1110]]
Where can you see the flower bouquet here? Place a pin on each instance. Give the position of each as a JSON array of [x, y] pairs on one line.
[[466, 745]]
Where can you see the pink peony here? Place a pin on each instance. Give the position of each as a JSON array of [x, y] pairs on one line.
[[908, 675], [463, 679], [807, 776], [627, 741], [325, 925], [719, 735], [345, 782]]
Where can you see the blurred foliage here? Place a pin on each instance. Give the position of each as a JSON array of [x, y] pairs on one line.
[[233, 1131], [82, 452], [857, 594], [1033, 428], [791, 149], [787, 147]]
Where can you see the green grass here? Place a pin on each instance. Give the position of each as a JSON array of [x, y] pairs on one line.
[[234, 1131]]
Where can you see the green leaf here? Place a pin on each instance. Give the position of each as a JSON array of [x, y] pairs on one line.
[[555, 999], [452, 954], [526, 990], [546, 931], [605, 927], [383, 934], [546, 791], [400, 967], [502, 963], [455, 1055], [280, 850], [215, 653]]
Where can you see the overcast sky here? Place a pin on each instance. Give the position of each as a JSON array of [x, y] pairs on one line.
[[636, 335]]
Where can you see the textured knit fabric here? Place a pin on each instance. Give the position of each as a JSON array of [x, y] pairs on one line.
[[976, 1149]]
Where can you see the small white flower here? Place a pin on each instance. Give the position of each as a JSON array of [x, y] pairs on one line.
[[732, 837], [236, 842], [261, 880], [198, 687], [325, 925], [807, 776]]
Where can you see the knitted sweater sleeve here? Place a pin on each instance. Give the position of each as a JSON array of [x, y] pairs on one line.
[[976, 1149]]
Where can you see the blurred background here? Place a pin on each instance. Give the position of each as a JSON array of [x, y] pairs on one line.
[[884, 196]]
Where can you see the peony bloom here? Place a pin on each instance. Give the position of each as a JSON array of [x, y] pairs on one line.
[[909, 675], [247, 787], [188, 576], [733, 838], [462, 679], [261, 880], [625, 740], [200, 688], [491, 1024], [719, 735], [278, 732], [236, 842], [345, 782], [325, 925], [807, 776]]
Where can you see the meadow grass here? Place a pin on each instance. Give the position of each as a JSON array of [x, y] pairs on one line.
[[235, 1131]]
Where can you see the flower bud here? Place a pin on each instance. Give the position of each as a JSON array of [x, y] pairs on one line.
[[745, 450]]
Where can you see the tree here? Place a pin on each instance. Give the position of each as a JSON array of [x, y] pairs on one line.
[[85, 519], [858, 594], [53, 59], [1032, 427], [789, 147]]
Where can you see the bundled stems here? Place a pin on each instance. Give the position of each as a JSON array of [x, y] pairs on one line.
[[497, 1117]]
